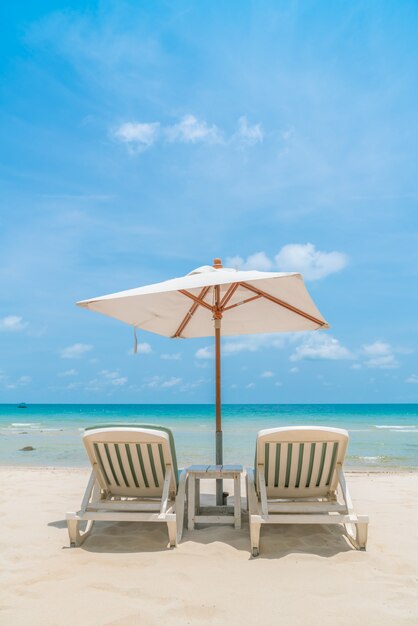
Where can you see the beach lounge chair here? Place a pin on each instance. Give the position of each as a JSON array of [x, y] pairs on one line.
[[134, 478], [298, 478]]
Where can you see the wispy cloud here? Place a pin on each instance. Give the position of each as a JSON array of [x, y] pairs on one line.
[[76, 351], [139, 136], [175, 356], [256, 261], [247, 343], [192, 130], [71, 372], [294, 257], [161, 382], [247, 134], [106, 379], [267, 374], [412, 379], [12, 323], [204, 353], [316, 346], [380, 355]]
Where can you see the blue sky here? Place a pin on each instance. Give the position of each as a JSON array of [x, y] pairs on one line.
[[141, 140]]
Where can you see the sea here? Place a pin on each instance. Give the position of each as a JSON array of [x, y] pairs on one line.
[[382, 436]]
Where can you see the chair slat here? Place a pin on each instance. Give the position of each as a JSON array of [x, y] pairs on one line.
[[324, 447], [277, 465], [288, 464], [307, 446], [115, 468], [100, 462], [301, 448], [272, 464], [110, 465], [139, 452], [283, 463], [266, 462], [123, 465], [132, 469], [332, 464]]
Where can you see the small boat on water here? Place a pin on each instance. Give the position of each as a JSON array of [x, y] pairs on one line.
[[22, 405]]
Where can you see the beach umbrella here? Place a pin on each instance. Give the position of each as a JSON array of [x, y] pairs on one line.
[[214, 300]]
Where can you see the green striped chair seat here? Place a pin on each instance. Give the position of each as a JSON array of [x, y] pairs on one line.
[[300, 461], [131, 461]]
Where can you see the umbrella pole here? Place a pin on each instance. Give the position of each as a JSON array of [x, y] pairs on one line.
[[219, 451]]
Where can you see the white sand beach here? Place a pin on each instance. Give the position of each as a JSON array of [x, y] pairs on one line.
[[125, 575]]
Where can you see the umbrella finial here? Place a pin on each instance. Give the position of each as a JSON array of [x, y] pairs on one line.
[[217, 263]]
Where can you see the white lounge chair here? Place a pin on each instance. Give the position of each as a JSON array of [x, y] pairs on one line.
[[134, 478], [297, 477]]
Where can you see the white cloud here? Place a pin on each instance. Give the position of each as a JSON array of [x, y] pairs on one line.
[[278, 384], [171, 382], [109, 375], [24, 380], [356, 366], [252, 343], [194, 385], [159, 382], [309, 261], [246, 343], [294, 370], [139, 136], [204, 353], [256, 261], [294, 257], [380, 355], [12, 323], [71, 372], [119, 382], [144, 348], [267, 374], [75, 351], [192, 130], [249, 135], [412, 379], [176, 356], [250, 386], [316, 346]]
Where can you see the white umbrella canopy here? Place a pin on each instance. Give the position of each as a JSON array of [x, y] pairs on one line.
[[249, 302], [210, 298]]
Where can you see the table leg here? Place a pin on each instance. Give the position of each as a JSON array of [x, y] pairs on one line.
[[197, 495], [237, 501], [191, 502]]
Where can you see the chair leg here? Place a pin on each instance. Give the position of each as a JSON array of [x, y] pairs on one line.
[[180, 501], [172, 533], [361, 535], [357, 534], [77, 537], [255, 537]]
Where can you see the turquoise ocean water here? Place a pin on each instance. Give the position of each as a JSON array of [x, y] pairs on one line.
[[381, 435]]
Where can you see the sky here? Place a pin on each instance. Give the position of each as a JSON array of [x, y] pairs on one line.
[[139, 140]]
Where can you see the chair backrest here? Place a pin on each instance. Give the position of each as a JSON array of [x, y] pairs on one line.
[[300, 461], [131, 461]]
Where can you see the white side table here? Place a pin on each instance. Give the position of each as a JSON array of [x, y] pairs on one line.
[[195, 473]]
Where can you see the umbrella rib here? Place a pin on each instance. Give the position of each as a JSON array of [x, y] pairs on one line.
[[284, 304], [190, 313], [232, 306], [196, 299], [230, 292]]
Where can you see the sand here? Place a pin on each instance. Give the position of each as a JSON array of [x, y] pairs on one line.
[[124, 574]]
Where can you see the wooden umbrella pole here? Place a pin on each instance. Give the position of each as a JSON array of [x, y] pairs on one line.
[[217, 322]]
